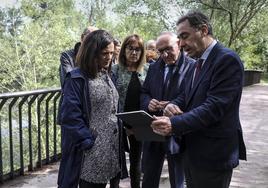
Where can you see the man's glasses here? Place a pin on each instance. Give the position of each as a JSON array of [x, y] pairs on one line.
[[132, 49], [165, 50]]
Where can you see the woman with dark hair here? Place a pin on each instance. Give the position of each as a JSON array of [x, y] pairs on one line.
[[128, 76], [90, 135]]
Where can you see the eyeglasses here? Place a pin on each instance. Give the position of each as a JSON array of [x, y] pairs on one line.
[[132, 49], [165, 50]]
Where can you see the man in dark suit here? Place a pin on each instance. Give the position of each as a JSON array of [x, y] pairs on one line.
[[67, 58], [162, 84], [206, 115]]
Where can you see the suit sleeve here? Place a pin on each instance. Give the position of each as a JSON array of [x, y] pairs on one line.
[[73, 119], [223, 93], [180, 99]]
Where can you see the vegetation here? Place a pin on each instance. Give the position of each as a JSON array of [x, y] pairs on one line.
[[264, 78], [33, 35]]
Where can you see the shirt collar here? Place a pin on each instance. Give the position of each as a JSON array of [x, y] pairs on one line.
[[208, 50]]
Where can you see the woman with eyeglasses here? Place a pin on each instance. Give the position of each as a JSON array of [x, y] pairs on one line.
[[129, 75]]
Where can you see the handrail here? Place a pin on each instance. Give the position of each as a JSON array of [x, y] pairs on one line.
[[29, 135]]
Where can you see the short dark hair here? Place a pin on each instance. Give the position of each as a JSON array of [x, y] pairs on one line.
[[196, 20], [90, 49]]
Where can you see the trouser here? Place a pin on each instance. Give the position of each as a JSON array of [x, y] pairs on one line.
[[114, 183], [135, 161], [202, 178], [153, 159], [85, 184]]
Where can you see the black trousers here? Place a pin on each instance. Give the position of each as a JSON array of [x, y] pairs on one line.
[[85, 184], [135, 161], [202, 178], [114, 183], [153, 157]]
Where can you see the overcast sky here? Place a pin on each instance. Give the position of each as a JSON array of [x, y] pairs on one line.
[[4, 3]]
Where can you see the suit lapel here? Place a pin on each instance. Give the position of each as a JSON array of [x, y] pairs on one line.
[[161, 71], [174, 80], [206, 66]]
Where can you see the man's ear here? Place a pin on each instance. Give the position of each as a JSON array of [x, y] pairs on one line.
[[178, 42], [204, 30]]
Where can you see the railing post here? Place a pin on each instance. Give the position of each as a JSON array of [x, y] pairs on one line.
[[47, 126], [55, 124], [3, 101], [20, 134], [30, 131], [39, 162], [11, 136]]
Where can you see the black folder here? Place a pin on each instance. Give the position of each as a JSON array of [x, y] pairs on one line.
[[140, 122]]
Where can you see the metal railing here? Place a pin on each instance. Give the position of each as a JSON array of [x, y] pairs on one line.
[[29, 134]]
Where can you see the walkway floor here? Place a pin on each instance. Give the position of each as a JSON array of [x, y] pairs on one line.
[[252, 173]]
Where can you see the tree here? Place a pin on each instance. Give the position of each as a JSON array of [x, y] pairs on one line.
[[253, 43], [146, 17], [238, 14], [30, 58]]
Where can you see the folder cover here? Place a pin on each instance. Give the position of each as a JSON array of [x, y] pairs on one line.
[[140, 122]]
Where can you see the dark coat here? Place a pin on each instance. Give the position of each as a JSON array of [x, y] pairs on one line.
[[76, 135], [153, 84], [210, 124], [67, 62], [153, 89]]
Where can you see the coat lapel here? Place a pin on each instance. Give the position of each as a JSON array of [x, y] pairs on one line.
[[161, 69], [206, 66]]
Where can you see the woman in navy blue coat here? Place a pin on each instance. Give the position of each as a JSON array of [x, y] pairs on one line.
[[90, 135]]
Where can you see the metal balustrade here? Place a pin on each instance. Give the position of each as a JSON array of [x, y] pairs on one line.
[[29, 134]]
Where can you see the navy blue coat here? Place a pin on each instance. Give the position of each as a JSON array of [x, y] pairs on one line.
[[210, 124], [153, 85], [153, 89], [76, 135]]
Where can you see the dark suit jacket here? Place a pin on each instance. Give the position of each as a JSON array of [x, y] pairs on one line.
[[153, 84], [210, 124], [67, 62], [153, 89]]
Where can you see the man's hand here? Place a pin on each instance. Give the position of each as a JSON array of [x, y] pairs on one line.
[[155, 105], [172, 110], [162, 105], [162, 125]]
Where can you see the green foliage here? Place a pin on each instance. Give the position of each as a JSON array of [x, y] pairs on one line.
[[30, 58], [264, 78], [253, 43], [33, 36], [240, 25]]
